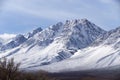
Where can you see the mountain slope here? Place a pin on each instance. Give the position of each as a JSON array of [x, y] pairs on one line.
[[54, 44], [104, 52]]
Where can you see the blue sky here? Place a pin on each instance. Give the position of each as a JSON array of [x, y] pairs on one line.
[[22, 16]]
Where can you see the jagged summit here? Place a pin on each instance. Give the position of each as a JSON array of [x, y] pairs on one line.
[[78, 21], [31, 34], [56, 27]]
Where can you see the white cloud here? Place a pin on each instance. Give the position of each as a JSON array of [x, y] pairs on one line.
[[6, 37]]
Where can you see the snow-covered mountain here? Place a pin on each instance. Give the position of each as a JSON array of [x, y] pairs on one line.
[[78, 42], [54, 44], [103, 52]]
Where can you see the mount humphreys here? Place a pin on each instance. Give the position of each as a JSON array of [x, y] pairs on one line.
[[71, 46]]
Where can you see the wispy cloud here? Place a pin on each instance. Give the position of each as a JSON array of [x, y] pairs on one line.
[[99, 11], [42, 11], [67, 9]]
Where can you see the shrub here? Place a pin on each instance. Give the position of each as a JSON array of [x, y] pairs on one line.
[[10, 71]]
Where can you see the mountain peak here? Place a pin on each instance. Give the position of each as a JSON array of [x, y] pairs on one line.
[[75, 21], [56, 26], [85, 20], [30, 34], [37, 30]]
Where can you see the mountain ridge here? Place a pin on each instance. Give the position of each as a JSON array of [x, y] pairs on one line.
[[62, 43]]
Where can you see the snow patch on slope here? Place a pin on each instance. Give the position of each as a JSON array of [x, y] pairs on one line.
[[90, 58]]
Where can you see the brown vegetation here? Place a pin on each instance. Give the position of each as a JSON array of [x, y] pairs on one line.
[[10, 71]]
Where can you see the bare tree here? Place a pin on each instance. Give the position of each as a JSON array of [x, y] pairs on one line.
[[8, 69]]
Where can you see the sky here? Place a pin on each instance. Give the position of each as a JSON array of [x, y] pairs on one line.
[[22, 16]]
